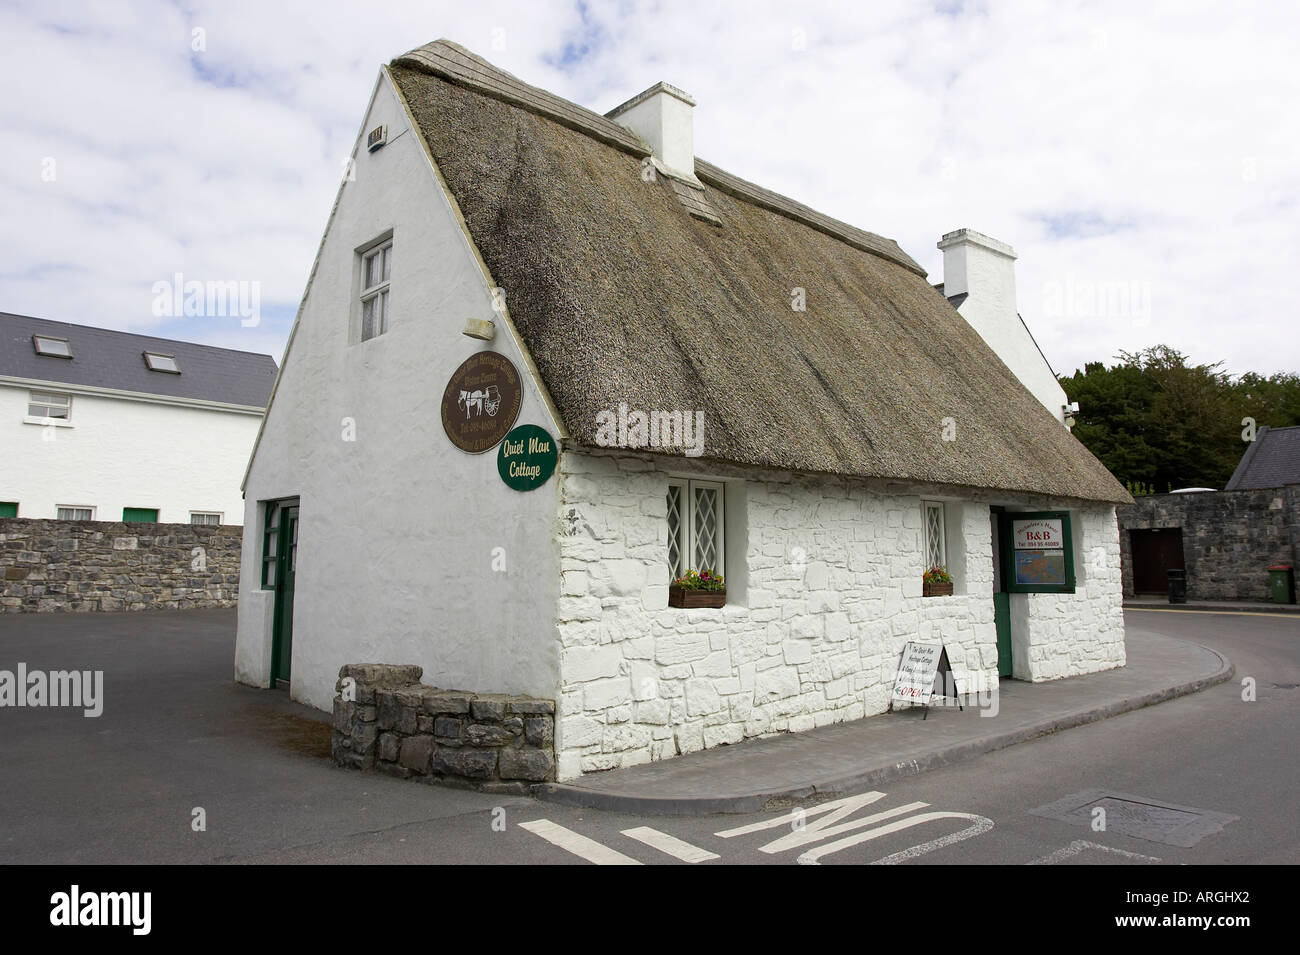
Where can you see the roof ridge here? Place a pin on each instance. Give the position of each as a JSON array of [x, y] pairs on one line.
[[451, 61]]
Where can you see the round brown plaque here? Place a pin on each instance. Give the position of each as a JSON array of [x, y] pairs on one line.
[[481, 402]]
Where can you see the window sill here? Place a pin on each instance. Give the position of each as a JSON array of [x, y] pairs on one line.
[[46, 422]]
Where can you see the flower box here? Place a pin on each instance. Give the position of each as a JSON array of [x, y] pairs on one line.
[[929, 589], [681, 597]]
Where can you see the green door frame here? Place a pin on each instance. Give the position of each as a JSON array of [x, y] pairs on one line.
[[1001, 598], [281, 533]]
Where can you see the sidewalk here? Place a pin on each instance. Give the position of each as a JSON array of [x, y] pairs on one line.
[[851, 757], [1214, 606]]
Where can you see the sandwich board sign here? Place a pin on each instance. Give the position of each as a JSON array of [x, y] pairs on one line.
[[917, 670]]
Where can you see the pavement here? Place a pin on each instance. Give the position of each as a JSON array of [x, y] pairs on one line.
[[1213, 606], [824, 763]]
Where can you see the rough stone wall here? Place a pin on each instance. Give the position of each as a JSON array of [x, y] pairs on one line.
[[394, 724], [51, 566], [1229, 537], [1082, 632]]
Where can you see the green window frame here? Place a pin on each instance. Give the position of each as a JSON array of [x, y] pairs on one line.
[[8, 508], [270, 533], [1010, 561], [140, 515]]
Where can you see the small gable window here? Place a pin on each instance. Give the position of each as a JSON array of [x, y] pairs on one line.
[[376, 267], [52, 347], [160, 362]]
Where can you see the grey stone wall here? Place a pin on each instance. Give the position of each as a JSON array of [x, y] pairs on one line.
[[396, 725], [50, 566], [1229, 537]]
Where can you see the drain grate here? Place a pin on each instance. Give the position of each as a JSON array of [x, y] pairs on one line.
[[1137, 816]]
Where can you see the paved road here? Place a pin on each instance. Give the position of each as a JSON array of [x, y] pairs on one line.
[[1211, 772]]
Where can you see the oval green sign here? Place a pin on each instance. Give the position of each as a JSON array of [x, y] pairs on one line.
[[526, 458]]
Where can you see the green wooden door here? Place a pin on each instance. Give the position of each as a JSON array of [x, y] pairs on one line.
[[140, 515], [1002, 620], [287, 559], [1001, 599]]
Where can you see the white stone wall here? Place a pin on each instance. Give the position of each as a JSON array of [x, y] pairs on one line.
[[1082, 632], [829, 590], [832, 592]]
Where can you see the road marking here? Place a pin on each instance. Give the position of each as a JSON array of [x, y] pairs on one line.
[[670, 844], [981, 825], [579, 845], [1079, 845], [839, 805]]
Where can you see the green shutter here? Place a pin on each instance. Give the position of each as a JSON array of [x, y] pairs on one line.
[[140, 515], [8, 508]]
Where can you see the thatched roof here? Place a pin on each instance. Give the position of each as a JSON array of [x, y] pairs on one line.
[[622, 295]]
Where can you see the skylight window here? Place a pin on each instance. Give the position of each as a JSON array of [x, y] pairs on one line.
[[54, 347], [157, 362]]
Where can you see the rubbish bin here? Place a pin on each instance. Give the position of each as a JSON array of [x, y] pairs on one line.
[[1281, 584], [1177, 585]]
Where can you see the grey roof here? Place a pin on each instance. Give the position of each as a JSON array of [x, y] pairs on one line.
[[102, 358], [1272, 460], [621, 294]]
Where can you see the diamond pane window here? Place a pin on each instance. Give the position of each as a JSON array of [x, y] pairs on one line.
[[705, 511], [676, 527], [935, 551], [695, 527]]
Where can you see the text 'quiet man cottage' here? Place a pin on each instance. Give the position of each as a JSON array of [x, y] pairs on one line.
[[732, 382]]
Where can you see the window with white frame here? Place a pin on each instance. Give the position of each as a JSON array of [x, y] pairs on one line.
[[66, 512], [44, 404], [157, 361], [934, 546], [205, 517], [376, 267], [695, 528]]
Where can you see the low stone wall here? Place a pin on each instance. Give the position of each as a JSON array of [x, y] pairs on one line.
[[50, 566], [386, 720], [1229, 537]]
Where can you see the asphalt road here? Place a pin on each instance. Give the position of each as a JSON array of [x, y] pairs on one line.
[[1208, 778]]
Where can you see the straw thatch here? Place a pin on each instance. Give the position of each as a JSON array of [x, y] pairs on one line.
[[621, 295]]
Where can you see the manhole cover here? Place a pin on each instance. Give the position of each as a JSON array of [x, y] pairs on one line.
[[1137, 816]]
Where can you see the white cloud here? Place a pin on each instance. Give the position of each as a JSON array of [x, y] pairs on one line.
[[1110, 144]]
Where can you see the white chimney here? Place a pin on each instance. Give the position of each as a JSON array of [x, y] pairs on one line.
[[983, 271], [662, 117]]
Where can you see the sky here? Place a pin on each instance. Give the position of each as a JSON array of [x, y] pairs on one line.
[[1142, 159]]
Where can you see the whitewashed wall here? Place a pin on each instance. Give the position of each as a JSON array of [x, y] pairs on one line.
[[117, 453], [824, 588], [398, 527], [1083, 632]]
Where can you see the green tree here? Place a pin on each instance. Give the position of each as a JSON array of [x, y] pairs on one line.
[[1158, 422]]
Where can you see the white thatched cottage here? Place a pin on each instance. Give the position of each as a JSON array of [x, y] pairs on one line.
[[732, 380]]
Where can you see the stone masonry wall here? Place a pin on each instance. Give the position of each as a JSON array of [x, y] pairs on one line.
[[824, 589], [396, 725], [1229, 537], [50, 566]]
